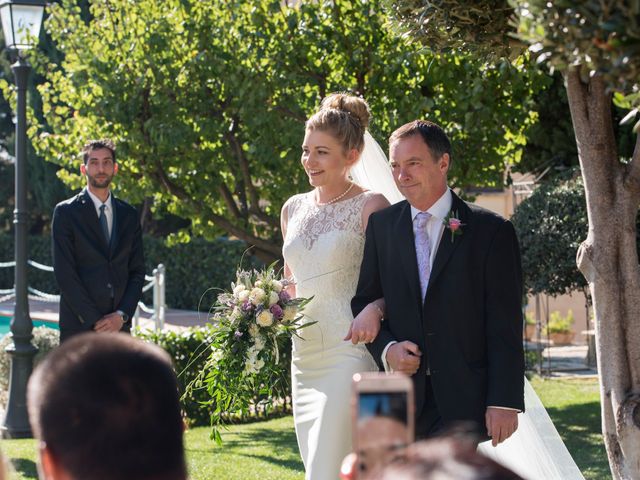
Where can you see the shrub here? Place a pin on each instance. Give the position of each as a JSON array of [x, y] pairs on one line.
[[529, 318], [45, 338], [558, 323], [188, 350], [550, 224], [531, 360]]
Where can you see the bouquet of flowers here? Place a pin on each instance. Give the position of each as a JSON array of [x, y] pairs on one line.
[[251, 325]]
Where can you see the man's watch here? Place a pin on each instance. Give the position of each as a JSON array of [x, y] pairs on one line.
[[125, 317]]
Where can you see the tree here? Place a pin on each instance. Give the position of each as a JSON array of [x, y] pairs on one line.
[[596, 46], [550, 224], [207, 100]]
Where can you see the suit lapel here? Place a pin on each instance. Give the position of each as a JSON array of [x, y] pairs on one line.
[[407, 249], [90, 218], [447, 245]]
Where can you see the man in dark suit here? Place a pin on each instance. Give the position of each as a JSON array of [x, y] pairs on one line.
[[450, 275], [97, 251]]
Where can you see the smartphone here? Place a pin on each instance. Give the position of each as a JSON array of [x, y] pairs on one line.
[[382, 417]]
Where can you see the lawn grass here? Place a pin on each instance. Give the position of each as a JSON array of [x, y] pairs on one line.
[[260, 451], [574, 407], [268, 450]]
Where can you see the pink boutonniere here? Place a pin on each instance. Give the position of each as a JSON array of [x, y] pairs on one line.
[[453, 223]]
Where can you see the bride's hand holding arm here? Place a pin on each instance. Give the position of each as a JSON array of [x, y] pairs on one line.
[[366, 325]]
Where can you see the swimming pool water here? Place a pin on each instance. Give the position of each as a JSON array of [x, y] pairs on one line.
[[6, 321]]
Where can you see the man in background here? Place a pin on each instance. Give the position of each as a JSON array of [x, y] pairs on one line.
[[98, 259]]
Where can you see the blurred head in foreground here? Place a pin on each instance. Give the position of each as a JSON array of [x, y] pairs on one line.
[[106, 407], [446, 458]]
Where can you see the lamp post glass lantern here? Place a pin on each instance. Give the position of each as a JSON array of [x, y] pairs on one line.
[[21, 21]]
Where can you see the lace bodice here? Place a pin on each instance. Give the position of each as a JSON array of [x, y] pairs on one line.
[[323, 249]]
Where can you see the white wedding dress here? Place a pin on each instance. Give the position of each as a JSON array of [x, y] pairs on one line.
[[323, 249], [535, 451]]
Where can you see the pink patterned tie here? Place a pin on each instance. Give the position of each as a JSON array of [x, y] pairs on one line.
[[423, 249]]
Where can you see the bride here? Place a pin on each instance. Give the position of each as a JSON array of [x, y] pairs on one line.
[[323, 242], [323, 234]]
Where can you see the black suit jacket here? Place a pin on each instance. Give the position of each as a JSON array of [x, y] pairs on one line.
[[469, 326], [95, 278]]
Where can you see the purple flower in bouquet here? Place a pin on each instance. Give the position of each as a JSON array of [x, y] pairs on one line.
[[246, 306], [277, 311], [284, 296], [238, 334]]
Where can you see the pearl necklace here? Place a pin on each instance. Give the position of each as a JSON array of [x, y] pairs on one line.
[[339, 197]]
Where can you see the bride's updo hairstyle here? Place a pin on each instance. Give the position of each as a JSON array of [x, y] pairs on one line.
[[344, 116]]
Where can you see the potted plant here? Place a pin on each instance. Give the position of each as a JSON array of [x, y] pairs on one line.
[[560, 329], [529, 326]]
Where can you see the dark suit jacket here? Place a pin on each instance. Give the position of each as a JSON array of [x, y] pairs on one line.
[[469, 326], [95, 278]]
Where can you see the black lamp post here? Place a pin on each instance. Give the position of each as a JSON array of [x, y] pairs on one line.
[[21, 21]]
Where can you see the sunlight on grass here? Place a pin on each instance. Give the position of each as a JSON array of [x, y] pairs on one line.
[[574, 407], [260, 451], [268, 450]]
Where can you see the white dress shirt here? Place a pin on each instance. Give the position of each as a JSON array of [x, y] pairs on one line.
[[108, 211]]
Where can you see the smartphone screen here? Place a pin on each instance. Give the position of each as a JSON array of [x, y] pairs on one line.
[[382, 427]]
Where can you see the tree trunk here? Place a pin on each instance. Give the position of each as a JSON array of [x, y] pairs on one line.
[[608, 259]]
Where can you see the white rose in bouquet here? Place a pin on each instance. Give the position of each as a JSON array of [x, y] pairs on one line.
[[265, 318], [243, 296], [238, 288], [257, 296], [273, 298], [277, 285]]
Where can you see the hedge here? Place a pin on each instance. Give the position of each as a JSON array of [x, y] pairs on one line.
[[192, 268], [188, 350], [45, 338], [184, 348]]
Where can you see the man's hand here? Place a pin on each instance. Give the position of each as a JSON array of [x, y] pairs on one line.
[[109, 323], [365, 326], [501, 423], [404, 357]]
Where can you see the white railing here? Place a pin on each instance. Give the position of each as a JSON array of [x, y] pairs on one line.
[[155, 281], [158, 311]]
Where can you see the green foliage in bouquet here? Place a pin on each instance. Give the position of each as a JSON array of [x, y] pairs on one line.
[[251, 329]]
